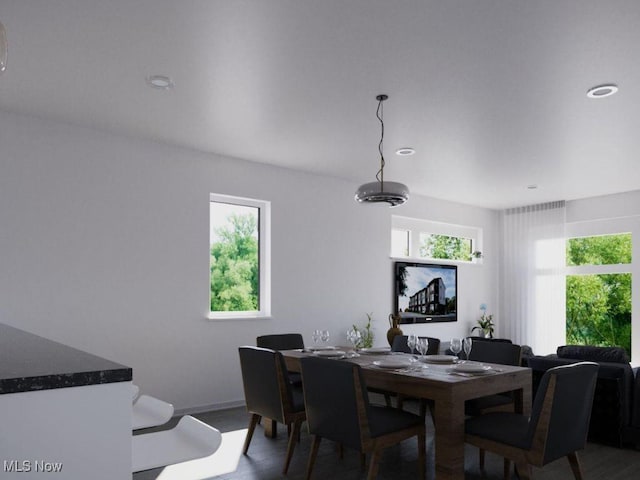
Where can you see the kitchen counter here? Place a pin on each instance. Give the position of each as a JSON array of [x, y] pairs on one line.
[[29, 363]]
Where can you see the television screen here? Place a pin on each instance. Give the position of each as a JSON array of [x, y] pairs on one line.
[[426, 293]]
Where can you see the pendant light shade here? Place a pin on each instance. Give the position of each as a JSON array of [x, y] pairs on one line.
[[393, 193], [3, 48]]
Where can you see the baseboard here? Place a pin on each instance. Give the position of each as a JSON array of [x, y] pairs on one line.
[[209, 408]]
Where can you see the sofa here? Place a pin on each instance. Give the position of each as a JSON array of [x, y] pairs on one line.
[[615, 416]]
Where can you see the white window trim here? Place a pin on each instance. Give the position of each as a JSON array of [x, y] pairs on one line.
[[614, 226], [264, 258]]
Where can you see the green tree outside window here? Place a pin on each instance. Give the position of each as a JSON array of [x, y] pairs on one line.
[[599, 306]]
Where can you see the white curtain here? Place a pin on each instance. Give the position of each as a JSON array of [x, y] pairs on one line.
[[532, 277]]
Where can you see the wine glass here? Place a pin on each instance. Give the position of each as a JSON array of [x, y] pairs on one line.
[[423, 346], [467, 343], [456, 346], [354, 336], [315, 336], [324, 336], [412, 340]]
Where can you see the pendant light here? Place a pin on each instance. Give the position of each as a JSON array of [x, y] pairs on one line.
[[3, 48], [393, 193]]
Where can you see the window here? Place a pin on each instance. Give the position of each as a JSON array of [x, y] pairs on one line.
[[399, 243], [445, 246], [239, 257], [424, 239], [599, 290]]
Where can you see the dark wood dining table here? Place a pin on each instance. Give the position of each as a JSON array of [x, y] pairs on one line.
[[448, 389]]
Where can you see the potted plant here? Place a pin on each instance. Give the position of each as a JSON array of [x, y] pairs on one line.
[[485, 323], [366, 334]]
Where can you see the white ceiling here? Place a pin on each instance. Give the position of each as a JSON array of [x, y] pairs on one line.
[[491, 93]]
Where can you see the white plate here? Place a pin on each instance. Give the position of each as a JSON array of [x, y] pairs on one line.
[[376, 350], [331, 353], [438, 358], [471, 368], [321, 348], [391, 363]]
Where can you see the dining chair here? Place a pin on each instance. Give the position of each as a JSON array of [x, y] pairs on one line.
[[269, 393], [557, 427], [283, 341], [280, 341], [400, 345], [338, 409], [503, 353]]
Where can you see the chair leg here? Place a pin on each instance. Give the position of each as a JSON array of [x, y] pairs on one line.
[[270, 428], [255, 419], [312, 455], [292, 444], [507, 469], [575, 465], [481, 455], [422, 455], [400, 401], [423, 408], [373, 464], [387, 399], [524, 470]]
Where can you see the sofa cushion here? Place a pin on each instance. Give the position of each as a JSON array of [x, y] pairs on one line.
[[593, 354]]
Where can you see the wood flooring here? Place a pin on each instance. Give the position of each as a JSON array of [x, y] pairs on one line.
[[265, 459]]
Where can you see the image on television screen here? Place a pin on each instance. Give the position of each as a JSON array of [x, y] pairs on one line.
[[426, 293]]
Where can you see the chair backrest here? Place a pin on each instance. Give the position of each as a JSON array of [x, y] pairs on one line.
[[267, 389], [282, 341], [492, 339], [332, 401], [561, 410], [496, 352], [400, 344]]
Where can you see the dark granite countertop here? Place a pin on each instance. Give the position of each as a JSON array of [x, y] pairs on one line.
[[29, 362]]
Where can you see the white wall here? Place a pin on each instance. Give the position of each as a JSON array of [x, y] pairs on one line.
[[104, 246]]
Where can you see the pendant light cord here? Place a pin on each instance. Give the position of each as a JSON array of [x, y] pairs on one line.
[[380, 115]]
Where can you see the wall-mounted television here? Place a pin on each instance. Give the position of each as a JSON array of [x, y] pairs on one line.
[[426, 293]]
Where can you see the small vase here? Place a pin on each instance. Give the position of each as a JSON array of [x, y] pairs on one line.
[[394, 331]]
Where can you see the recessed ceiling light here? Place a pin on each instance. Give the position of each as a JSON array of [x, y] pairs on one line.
[[406, 151], [602, 91], [161, 82], [532, 186]]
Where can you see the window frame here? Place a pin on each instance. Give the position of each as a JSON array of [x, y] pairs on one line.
[[416, 227], [613, 226], [264, 257]]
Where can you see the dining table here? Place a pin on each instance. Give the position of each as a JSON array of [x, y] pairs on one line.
[[446, 385]]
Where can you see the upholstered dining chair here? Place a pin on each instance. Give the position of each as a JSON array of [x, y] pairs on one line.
[[504, 353], [280, 341], [338, 409], [557, 427], [400, 345], [269, 393], [283, 341]]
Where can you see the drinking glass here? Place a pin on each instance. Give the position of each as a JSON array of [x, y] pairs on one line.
[[456, 346], [467, 343], [411, 342], [354, 336], [324, 336], [315, 336], [422, 345]]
